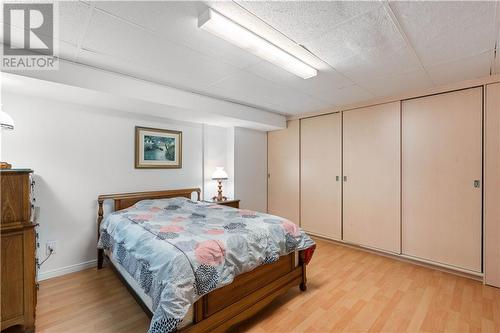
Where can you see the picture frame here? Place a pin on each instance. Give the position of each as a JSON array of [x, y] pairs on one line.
[[157, 148]]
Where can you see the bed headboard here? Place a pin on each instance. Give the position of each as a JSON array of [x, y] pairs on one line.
[[125, 200]]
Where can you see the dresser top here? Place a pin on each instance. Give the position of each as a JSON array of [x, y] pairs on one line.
[[16, 170]]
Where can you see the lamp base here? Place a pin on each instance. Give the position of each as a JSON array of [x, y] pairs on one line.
[[5, 165], [219, 196]]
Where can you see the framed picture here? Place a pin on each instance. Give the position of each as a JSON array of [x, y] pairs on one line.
[[157, 148]]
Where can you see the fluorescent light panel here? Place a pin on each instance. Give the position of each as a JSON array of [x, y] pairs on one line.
[[234, 33]]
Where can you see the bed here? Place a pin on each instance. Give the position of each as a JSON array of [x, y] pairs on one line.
[[196, 266]]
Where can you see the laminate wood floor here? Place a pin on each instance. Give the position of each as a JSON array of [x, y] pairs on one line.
[[349, 291]]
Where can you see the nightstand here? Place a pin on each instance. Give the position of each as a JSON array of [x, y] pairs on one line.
[[231, 203]]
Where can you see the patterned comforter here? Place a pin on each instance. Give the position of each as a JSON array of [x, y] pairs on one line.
[[178, 250]]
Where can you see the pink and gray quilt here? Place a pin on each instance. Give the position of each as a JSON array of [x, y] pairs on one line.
[[178, 250]]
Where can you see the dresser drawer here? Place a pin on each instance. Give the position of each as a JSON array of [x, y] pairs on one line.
[[15, 198], [12, 275]]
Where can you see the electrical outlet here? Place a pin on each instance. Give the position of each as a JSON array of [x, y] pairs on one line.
[[50, 245]]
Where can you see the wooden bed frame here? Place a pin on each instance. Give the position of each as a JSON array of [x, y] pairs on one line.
[[220, 309]]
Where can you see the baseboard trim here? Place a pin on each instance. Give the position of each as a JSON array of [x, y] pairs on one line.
[[66, 270], [416, 261]]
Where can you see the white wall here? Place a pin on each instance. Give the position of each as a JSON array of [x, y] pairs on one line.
[[250, 168], [217, 147], [79, 152]]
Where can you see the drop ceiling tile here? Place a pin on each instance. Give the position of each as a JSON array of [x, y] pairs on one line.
[[173, 64], [305, 20], [67, 51], [111, 63], [376, 63], [441, 31], [73, 16], [114, 37], [256, 91], [329, 87], [15, 31], [462, 69], [390, 85], [347, 95], [295, 102], [371, 32], [368, 45], [121, 66], [323, 83], [177, 21]]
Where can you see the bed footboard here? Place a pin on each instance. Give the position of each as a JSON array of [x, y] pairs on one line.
[[248, 294]]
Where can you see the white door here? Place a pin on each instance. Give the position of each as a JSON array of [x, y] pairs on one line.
[[492, 186], [371, 188], [441, 178], [320, 139]]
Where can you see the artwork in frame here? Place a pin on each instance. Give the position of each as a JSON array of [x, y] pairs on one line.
[[157, 148]]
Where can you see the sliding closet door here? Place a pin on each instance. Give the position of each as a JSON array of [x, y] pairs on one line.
[[492, 186], [320, 152], [283, 172], [441, 178], [371, 190]]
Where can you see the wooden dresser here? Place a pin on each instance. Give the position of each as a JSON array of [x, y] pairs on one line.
[[18, 246]]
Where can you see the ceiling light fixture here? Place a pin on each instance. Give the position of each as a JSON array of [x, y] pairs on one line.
[[234, 33]]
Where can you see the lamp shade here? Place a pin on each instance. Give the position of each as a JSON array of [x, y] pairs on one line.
[[6, 121], [219, 173]]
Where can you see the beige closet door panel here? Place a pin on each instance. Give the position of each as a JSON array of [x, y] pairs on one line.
[[441, 159], [492, 186], [320, 139], [283, 171], [371, 192]]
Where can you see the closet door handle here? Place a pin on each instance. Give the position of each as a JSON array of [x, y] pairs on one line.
[[337, 178], [345, 178], [477, 183]]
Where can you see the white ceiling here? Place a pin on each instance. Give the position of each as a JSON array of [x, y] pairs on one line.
[[362, 50]]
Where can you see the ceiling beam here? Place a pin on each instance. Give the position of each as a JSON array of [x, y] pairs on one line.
[[88, 82]]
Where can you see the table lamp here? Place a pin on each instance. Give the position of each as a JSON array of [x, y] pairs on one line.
[[219, 175]]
